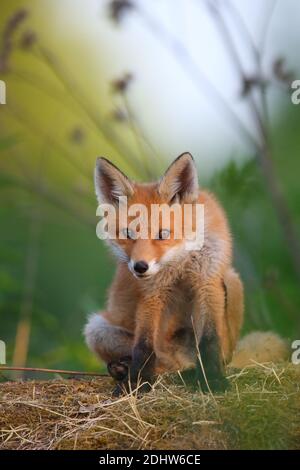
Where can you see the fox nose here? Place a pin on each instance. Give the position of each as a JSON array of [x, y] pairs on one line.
[[140, 267]]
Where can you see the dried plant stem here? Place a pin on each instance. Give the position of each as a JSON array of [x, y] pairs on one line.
[[24, 326], [146, 164], [135, 133], [119, 145], [52, 371], [278, 199], [197, 75], [261, 144], [36, 129], [264, 149], [53, 198], [41, 84]]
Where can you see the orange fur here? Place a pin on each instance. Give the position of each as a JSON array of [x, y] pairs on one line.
[[190, 293]]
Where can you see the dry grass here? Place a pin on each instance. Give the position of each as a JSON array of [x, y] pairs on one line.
[[261, 411]]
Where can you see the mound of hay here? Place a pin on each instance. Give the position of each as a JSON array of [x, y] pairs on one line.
[[260, 411]]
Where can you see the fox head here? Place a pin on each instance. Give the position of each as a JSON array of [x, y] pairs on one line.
[[159, 245]]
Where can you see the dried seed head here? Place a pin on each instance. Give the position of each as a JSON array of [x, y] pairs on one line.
[[281, 72], [28, 39], [251, 82], [14, 21], [10, 27], [120, 85], [119, 115], [77, 135], [117, 9]]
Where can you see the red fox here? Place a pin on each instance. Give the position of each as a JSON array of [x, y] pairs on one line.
[[169, 306]]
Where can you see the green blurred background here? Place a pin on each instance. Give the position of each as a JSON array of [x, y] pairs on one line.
[[65, 106]]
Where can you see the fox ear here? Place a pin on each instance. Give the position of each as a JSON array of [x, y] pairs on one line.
[[180, 181], [110, 182]]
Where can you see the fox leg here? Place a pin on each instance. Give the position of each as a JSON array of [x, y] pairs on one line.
[[209, 366], [223, 303], [142, 367], [113, 344], [220, 335], [210, 371], [210, 337]]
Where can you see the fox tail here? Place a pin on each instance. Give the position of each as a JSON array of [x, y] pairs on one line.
[[259, 347]]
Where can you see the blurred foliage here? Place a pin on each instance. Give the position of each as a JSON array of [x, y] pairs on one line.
[[49, 139]]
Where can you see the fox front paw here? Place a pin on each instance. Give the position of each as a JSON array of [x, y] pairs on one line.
[[119, 369]]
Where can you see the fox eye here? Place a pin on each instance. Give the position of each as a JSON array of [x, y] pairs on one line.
[[127, 233], [163, 234]]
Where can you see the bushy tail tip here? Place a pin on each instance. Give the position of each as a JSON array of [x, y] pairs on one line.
[[259, 347]]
